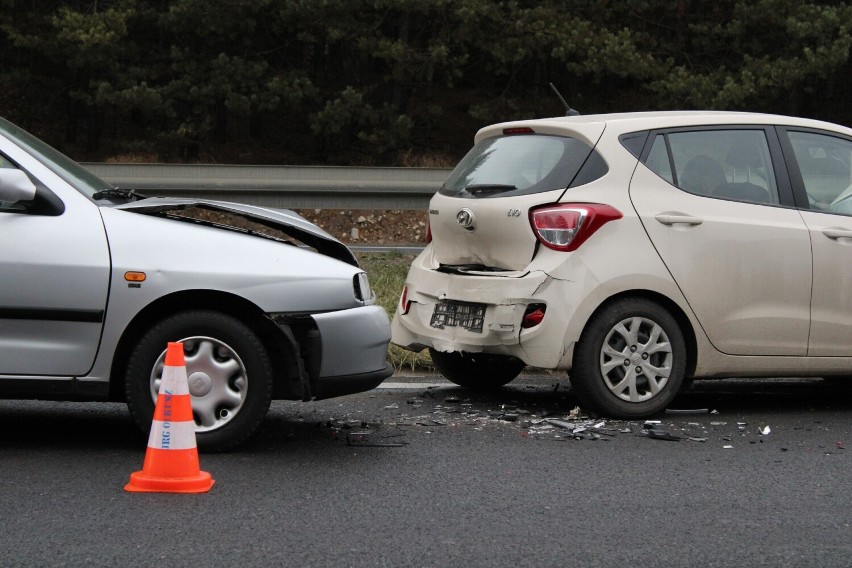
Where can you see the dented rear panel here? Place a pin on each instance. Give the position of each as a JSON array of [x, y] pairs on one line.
[[480, 218]]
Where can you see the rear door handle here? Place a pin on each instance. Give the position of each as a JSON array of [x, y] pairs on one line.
[[837, 233], [678, 219]]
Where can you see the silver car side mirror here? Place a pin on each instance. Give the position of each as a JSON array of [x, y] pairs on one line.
[[15, 186]]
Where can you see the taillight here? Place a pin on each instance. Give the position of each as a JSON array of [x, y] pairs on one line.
[[404, 304], [533, 315], [566, 227], [428, 229]]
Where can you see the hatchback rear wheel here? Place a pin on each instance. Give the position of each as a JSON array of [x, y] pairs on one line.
[[479, 371], [630, 360]]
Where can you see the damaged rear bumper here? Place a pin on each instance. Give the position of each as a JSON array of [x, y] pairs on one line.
[[506, 299]]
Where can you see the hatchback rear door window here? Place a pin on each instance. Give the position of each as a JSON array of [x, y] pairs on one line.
[[725, 164]]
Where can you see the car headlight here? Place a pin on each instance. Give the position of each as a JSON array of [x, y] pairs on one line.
[[361, 284]]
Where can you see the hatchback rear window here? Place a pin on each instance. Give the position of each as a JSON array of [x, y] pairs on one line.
[[521, 165]]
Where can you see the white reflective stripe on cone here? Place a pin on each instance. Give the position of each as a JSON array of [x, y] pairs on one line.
[[174, 380], [172, 435]]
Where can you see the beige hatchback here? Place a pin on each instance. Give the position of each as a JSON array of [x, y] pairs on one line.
[[638, 251]]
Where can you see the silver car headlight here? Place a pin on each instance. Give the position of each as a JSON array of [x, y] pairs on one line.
[[363, 292]]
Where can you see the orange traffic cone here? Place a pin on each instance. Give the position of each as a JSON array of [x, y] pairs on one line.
[[171, 461]]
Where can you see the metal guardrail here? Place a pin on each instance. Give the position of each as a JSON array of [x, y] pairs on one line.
[[289, 187]]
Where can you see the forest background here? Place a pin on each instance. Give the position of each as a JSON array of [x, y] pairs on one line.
[[395, 82]]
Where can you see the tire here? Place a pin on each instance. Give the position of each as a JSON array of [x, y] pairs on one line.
[[630, 360], [229, 371], [477, 371]]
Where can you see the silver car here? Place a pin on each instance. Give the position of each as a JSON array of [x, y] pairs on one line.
[[96, 280]]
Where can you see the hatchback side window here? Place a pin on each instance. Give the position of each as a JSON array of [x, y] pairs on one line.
[[658, 160], [725, 164], [825, 163]]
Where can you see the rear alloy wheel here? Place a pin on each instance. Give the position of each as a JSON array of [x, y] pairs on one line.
[[478, 371], [228, 369], [630, 360]]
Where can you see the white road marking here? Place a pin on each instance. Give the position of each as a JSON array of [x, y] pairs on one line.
[[414, 386]]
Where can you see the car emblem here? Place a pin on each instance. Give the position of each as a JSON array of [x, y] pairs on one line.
[[466, 219]]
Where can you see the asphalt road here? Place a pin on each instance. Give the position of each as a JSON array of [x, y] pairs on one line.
[[420, 476]]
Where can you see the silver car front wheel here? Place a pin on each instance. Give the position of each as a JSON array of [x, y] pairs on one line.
[[228, 370]]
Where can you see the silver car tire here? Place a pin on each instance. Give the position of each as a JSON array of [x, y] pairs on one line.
[[630, 360], [228, 368]]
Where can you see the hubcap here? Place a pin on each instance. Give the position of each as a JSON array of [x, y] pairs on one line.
[[200, 384], [636, 359], [218, 382]]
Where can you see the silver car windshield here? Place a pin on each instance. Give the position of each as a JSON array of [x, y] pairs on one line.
[[517, 165], [76, 175]]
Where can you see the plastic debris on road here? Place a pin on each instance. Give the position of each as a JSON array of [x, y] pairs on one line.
[[430, 413]]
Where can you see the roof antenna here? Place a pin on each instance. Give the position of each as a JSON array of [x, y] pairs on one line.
[[568, 110]]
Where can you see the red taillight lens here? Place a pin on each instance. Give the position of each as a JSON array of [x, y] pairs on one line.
[[533, 315], [428, 230], [404, 304], [566, 227]]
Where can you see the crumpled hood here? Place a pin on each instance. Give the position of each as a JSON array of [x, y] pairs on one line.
[[285, 220]]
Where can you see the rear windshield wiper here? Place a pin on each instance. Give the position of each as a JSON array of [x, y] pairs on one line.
[[488, 188], [119, 192]]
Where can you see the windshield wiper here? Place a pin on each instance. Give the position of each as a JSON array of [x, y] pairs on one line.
[[482, 188], [119, 192]]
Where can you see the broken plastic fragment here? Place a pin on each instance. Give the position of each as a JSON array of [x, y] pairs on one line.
[[663, 435], [765, 431]]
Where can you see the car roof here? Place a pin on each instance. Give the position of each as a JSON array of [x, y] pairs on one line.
[[591, 126]]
